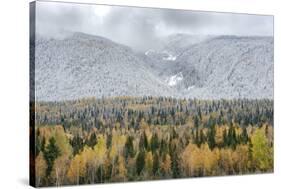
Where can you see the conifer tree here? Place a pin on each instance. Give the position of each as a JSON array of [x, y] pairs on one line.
[[140, 162], [129, 148], [50, 154], [154, 142], [156, 164]]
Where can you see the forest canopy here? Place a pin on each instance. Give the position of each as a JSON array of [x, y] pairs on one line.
[[131, 139]]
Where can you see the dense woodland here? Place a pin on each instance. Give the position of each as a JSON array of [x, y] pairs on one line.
[[132, 139]]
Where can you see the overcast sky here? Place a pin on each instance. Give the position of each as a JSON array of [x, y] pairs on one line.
[[139, 27]]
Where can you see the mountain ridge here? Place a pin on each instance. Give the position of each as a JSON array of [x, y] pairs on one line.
[[209, 67]]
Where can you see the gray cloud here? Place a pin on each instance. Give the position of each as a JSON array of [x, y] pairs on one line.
[[141, 27]]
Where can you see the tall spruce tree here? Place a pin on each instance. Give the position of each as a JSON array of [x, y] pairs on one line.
[[211, 137], [156, 164], [50, 154], [129, 148], [140, 162], [175, 165], [154, 143]]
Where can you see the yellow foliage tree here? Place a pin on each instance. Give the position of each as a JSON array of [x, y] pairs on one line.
[[241, 158], [191, 159], [76, 169], [59, 170], [121, 169], [166, 165], [40, 168], [262, 152], [226, 161], [209, 160], [89, 157], [148, 163], [62, 141], [100, 151]]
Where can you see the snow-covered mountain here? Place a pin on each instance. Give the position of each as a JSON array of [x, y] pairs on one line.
[[208, 67], [83, 65], [170, 48], [226, 67]]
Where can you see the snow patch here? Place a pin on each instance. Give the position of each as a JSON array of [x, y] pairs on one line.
[[175, 79], [170, 58], [149, 52], [190, 87]]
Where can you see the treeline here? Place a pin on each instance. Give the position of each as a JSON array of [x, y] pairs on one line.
[[129, 139]]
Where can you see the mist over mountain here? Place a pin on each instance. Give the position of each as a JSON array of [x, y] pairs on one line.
[[184, 66]]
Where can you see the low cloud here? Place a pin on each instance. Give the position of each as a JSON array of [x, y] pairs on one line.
[[141, 27]]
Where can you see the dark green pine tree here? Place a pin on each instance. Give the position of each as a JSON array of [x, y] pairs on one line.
[[197, 139], [225, 138], [92, 141], [143, 144], [266, 130], [174, 134], [199, 113], [108, 140], [250, 156], [77, 144], [129, 148], [43, 143], [154, 143], [38, 143], [163, 147], [156, 164], [140, 162], [175, 165], [244, 136], [196, 122], [146, 145], [50, 154], [211, 137], [202, 137], [232, 138], [99, 175]]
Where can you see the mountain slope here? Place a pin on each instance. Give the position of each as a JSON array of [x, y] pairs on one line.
[[226, 67], [83, 65], [170, 48], [206, 67]]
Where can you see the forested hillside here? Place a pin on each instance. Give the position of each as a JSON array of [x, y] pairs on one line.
[[218, 67], [143, 138], [83, 65], [205, 67]]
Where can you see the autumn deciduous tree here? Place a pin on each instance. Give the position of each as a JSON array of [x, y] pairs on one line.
[[89, 158], [190, 159], [58, 173], [148, 163], [100, 151], [77, 169], [209, 160], [226, 161], [127, 139], [166, 165], [121, 169], [40, 168], [241, 158], [261, 151]]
